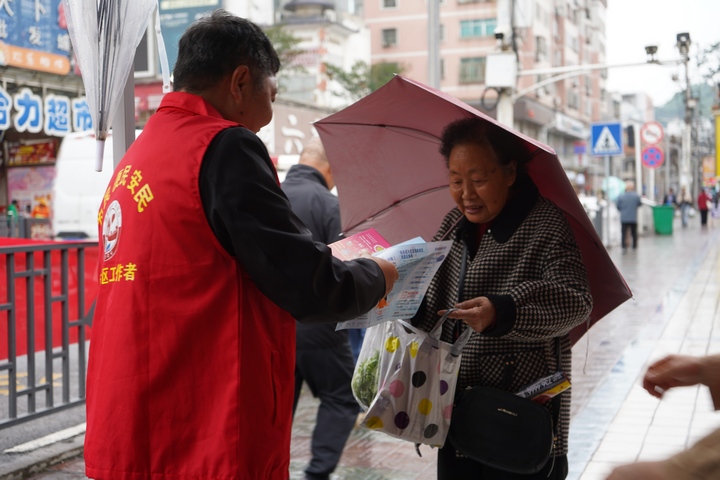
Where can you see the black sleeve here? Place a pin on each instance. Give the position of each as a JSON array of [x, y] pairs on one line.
[[252, 219]]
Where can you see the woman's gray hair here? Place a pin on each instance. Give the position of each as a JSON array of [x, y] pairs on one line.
[[476, 131]]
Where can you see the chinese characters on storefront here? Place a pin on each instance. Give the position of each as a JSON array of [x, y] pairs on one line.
[[55, 115]]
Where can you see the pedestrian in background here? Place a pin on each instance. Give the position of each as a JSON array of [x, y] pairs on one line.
[[628, 204], [702, 460], [204, 270], [704, 202], [670, 198], [324, 359], [685, 206]]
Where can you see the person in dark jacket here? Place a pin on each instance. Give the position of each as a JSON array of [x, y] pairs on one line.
[[324, 359], [628, 204]]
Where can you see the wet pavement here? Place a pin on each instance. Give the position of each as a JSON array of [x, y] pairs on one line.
[[675, 280]]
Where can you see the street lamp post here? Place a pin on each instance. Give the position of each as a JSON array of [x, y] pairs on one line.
[[683, 45]]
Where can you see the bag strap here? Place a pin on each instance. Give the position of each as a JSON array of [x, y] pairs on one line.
[[434, 334]]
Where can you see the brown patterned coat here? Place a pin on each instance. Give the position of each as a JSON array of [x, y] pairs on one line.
[[529, 265]]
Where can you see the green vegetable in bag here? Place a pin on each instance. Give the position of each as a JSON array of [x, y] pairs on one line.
[[365, 380]]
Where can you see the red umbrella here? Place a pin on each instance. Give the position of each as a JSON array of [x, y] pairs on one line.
[[384, 153]]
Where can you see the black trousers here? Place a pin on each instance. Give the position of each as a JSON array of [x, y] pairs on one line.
[[328, 372], [450, 467], [703, 217], [632, 227]]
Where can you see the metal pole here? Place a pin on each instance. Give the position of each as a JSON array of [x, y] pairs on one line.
[[684, 47], [434, 43], [638, 170], [123, 130], [606, 228], [505, 105]]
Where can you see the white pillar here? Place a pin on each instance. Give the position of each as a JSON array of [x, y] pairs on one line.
[[123, 126], [505, 108], [638, 171], [434, 43]]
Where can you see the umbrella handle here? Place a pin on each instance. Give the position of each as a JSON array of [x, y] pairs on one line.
[[99, 155]]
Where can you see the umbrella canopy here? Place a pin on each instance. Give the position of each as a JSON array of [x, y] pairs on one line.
[[105, 35], [384, 154]]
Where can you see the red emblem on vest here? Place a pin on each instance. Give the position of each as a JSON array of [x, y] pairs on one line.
[[112, 224]]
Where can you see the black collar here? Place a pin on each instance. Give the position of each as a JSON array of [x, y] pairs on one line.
[[523, 197], [306, 172]]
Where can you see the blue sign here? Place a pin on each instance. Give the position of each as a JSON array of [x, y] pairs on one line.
[[606, 139], [176, 16], [35, 24]]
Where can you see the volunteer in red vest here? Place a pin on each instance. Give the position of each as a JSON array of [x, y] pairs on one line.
[[204, 269]]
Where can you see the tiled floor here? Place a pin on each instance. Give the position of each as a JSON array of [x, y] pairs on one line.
[[646, 428]]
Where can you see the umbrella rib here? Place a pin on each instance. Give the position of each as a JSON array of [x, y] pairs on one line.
[[382, 125], [394, 205]]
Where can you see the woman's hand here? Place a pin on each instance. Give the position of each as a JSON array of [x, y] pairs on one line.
[[478, 313]]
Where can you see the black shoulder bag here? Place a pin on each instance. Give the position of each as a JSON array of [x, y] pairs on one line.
[[500, 429]]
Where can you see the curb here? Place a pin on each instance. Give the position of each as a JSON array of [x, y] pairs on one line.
[[25, 465]]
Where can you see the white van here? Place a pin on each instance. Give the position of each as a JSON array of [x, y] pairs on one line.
[[78, 189]]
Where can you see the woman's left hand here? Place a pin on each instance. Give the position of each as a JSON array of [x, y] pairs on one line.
[[478, 313]]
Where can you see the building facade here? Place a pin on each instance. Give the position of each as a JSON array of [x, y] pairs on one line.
[[544, 34]]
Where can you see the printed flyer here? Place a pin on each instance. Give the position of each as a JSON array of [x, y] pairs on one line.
[[417, 262]]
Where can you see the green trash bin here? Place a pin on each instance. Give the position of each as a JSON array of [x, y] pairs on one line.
[[663, 217]]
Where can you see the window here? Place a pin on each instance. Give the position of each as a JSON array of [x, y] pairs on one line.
[[572, 99], [442, 69], [540, 49], [484, 27], [389, 37], [442, 32], [389, 3], [472, 70]]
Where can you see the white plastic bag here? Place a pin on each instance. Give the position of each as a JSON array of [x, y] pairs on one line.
[[416, 380]]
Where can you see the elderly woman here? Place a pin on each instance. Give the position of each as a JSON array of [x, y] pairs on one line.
[[516, 275]]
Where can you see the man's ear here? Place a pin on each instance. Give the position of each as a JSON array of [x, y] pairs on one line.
[[240, 82]]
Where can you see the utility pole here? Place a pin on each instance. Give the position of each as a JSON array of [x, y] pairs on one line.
[[683, 45], [504, 34], [434, 43]]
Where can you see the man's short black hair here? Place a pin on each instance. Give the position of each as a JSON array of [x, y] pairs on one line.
[[215, 46]]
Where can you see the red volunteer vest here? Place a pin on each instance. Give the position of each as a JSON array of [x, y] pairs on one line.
[[191, 367]]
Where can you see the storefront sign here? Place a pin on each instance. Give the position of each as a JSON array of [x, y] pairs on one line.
[[55, 115], [33, 59], [23, 154], [35, 35]]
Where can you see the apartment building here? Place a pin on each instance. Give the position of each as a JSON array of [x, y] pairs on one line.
[[545, 34]]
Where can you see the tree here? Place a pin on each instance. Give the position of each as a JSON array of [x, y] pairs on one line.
[[286, 46], [362, 78], [709, 61]]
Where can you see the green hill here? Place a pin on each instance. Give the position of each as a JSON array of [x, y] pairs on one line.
[[675, 107]]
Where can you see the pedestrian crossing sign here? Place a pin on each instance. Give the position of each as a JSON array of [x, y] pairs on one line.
[[606, 139]]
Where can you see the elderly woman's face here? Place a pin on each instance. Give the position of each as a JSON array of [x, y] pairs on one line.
[[478, 184]]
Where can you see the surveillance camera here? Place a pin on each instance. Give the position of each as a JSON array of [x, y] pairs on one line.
[[501, 32], [651, 49]]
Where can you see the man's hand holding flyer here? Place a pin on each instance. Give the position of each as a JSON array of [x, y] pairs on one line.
[[416, 261]]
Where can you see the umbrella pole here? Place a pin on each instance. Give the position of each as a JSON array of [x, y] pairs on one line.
[[124, 120]]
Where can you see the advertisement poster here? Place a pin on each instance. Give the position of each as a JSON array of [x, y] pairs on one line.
[[32, 188], [40, 152]]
